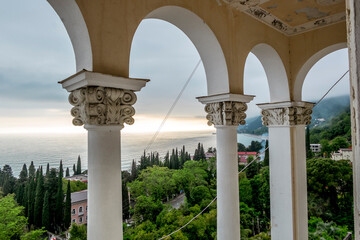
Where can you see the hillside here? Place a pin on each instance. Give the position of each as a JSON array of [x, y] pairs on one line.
[[322, 115]]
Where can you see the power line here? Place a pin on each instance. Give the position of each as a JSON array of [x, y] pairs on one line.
[[172, 107], [212, 200], [331, 88]]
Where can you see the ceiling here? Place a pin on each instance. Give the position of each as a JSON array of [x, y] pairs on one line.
[[293, 16]]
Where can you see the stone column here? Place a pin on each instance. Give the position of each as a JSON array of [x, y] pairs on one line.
[[103, 111], [353, 26], [226, 112], [288, 184]]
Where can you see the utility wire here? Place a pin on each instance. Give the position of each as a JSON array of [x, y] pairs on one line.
[[331, 88], [213, 199], [172, 107]]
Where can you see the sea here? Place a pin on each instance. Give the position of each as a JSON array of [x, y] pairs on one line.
[[15, 150]]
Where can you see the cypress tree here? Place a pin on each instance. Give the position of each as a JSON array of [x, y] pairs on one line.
[[47, 169], [78, 167], [202, 153], [266, 158], [46, 212], [133, 170], [39, 199], [74, 170], [167, 160], [25, 199], [67, 172], [32, 169], [31, 199], [59, 208], [51, 186], [23, 174], [67, 217], [61, 170]]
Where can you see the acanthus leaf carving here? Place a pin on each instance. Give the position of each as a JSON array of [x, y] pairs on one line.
[[102, 106], [227, 113], [287, 116]]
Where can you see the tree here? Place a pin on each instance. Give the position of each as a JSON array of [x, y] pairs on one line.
[[267, 157], [47, 169], [74, 169], [67, 217], [78, 166], [32, 170], [46, 212], [39, 199], [133, 170], [241, 147], [59, 210], [309, 153], [67, 172], [255, 146], [12, 221], [78, 232]]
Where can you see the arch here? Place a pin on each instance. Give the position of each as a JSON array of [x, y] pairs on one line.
[[304, 70], [205, 42], [75, 25], [275, 72]]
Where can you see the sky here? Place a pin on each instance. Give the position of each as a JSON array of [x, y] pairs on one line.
[[36, 53]]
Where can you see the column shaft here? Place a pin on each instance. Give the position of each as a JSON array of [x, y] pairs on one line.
[[104, 187], [228, 212], [353, 25], [288, 186]]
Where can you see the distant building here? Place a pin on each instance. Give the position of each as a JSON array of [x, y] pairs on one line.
[[243, 156], [315, 148], [343, 154], [80, 177], [79, 207]]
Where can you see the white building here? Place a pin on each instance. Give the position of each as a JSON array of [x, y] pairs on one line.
[[343, 154], [315, 148]]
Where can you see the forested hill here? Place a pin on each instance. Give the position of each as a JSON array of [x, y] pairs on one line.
[[327, 109]]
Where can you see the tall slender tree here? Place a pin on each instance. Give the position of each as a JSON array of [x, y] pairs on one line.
[[78, 166], [47, 169], [39, 199], [67, 215], [74, 170], [133, 170], [59, 209], [67, 172], [32, 169], [45, 219]]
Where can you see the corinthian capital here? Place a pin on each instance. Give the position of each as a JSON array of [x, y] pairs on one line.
[[226, 109], [102, 106], [286, 113], [226, 113], [101, 99]]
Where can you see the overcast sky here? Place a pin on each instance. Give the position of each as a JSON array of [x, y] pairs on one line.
[[36, 52]]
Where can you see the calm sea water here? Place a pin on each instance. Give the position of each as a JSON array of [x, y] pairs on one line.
[[16, 150]]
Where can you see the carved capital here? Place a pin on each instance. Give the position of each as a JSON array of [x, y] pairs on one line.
[[102, 106], [287, 116], [227, 113]]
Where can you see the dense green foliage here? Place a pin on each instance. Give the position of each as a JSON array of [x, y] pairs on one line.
[[13, 222], [339, 126], [78, 232], [41, 197]]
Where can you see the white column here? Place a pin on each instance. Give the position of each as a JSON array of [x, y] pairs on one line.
[[103, 103], [353, 25], [288, 184], [104, 187], [226, 112], [228, 215]]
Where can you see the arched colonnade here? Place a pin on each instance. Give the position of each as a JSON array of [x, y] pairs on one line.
[[101, 33]]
